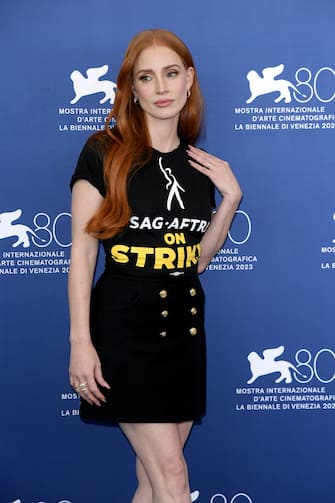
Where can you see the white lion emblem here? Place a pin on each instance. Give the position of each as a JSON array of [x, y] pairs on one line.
[[268, 84], [268, 364], [8, 229], [84, 86]]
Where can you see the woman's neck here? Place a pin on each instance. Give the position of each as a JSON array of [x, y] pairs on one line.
[[164, 135]]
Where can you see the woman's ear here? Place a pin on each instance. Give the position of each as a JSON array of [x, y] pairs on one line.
[[134, 94], [190, 77]]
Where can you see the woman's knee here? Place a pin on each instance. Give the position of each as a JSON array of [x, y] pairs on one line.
[[174, 474]]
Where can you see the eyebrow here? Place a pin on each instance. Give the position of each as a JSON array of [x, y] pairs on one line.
[[165, 68]]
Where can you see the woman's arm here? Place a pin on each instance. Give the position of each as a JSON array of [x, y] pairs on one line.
[[221, 175], [84, 362]]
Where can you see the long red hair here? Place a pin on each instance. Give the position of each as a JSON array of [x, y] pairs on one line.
[[127, 145]]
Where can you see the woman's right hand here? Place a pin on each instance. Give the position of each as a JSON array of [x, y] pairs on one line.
[[85, 372]]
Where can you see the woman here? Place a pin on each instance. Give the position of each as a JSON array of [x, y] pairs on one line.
[[137, 340]]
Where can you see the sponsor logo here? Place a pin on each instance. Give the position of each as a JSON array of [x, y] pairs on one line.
[[268, 365], [307, 384], [22, 232], [237, 498], [39, 247], [240, 497], [194, 497], [85, 86], [230, 257], [87, 91], [71, 407], [302, 101], [21, 501], [328, 250], [268, 84], [219, 497]]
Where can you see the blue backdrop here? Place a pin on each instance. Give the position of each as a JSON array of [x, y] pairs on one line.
[[267, 74]]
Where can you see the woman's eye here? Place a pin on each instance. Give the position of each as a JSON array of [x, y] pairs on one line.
[[145, 77], [172, 73]]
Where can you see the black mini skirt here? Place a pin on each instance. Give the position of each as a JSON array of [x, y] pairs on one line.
[[150, 338]]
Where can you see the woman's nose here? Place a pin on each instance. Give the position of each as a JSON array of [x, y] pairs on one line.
[[160, 85]]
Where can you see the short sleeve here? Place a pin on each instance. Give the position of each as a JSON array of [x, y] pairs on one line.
[[90, 167]]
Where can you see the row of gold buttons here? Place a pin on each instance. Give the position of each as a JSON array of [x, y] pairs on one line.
[[163, 294], [193, 311]]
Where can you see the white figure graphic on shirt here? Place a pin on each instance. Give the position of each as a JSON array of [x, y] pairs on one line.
[[172, 186]]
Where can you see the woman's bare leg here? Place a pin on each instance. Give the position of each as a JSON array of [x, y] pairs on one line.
[[143, 493], [160, 465]]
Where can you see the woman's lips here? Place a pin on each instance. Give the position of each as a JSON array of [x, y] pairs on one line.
[[163, 103]]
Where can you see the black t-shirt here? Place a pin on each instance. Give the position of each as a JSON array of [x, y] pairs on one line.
[[171, 205]]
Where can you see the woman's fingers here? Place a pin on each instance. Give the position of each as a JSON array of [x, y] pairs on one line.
[[99, 377], [86, 375], [202, 160], [87, 388], [91, 392], [217, 170]]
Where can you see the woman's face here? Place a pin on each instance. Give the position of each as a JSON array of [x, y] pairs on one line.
[[161, 83]]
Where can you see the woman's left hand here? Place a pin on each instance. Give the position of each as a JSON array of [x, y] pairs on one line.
[[217, 170]]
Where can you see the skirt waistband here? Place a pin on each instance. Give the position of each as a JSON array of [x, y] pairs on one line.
[[154, 279]]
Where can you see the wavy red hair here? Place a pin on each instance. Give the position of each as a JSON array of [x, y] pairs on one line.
[[127, 145]]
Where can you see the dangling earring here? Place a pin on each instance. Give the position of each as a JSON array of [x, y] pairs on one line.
[[188, 93], [135, 100]]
